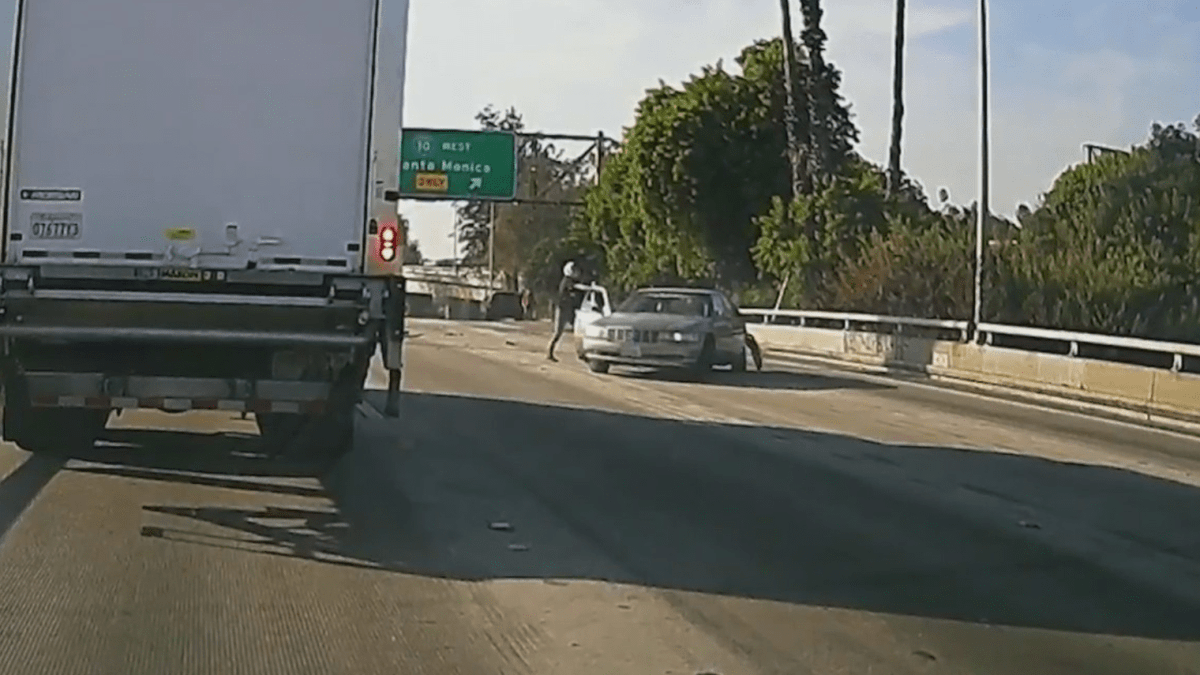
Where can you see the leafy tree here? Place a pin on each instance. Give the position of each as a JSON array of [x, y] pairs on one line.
[[473, 216], [530, 236], [699, 165], [921, 266], [698, 192], [620, 219], [810, 239], [412, 248], [412, 252], [1115, 245]]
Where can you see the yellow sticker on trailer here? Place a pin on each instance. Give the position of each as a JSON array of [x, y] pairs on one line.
[[180, 233]]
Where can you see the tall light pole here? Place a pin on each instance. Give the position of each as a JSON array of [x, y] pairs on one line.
[[894, 171], [454, 255], [491, 246], [984, 167]]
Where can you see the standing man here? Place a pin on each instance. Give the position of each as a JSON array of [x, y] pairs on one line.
[[564, 305]]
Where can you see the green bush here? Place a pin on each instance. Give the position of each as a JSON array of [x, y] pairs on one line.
[[1114, 247], [697, 192]]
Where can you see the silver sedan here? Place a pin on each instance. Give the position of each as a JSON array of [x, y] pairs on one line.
[[667, 328]]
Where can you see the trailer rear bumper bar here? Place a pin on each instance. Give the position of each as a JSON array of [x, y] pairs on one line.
[[96, 390], [183, 335], [257, 406]]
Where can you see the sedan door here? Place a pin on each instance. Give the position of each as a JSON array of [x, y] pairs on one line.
[[591, 310]]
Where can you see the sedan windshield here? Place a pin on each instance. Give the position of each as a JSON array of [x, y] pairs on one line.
[[666, 303]]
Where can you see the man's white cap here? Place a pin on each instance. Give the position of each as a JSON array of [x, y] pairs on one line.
[[569, 269]]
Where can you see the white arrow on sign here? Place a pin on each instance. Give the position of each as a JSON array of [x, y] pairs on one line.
[[476, 183]]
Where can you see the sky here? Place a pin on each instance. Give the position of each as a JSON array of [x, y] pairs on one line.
[[1064, 73]]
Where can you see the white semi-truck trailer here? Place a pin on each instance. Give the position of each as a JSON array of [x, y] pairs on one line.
[[200, 212]]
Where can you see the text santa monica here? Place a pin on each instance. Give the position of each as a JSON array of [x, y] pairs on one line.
[[446, 166]]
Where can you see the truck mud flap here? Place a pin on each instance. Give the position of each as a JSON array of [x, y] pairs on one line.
[[325, 436], [393, 325], [393, 343]]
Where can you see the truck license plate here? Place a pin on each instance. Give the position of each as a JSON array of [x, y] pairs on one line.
[[631, 350], [62, 226]]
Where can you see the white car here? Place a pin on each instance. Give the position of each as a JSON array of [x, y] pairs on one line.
[[595, 306], [692, 328]]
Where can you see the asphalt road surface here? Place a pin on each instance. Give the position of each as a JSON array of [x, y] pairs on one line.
[[525, 516]]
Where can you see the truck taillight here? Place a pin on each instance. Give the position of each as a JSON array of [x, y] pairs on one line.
[[388, 241]]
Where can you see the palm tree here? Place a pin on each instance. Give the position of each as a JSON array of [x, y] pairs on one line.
[[894, 171], [789, 83], [820, 93]]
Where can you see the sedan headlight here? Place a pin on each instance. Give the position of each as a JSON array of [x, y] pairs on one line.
[[684, 337], [593, 331]]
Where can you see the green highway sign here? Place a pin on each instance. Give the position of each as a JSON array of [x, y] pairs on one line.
[[458, 165]]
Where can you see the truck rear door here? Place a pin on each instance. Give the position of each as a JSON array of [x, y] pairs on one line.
[[211, 133]]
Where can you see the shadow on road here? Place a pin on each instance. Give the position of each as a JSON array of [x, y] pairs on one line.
[[290, 532], [793, 516], [765, 379], [217, 459], [20, 487], [788, 515]]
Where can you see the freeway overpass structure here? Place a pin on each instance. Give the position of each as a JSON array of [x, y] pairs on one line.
[[436, 290]]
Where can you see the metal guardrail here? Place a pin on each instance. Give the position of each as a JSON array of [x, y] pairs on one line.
[[1177, 350], [848, 319], [985, 332]]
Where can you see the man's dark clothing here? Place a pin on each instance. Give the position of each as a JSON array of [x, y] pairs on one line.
[[568, 299], [564, 314]]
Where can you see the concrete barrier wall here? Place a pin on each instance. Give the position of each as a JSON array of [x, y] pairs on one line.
[[420, 305], [458, 309], [1149, 390]]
